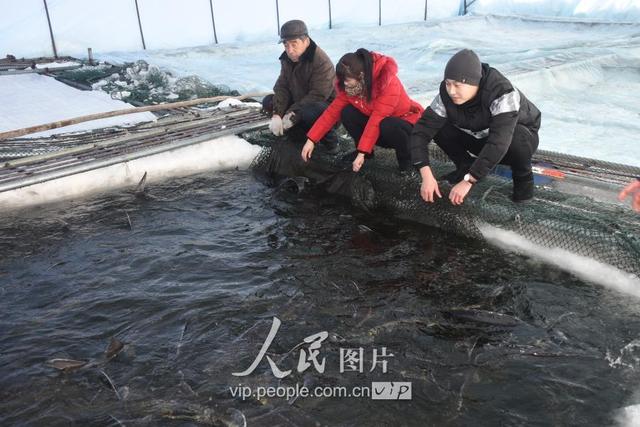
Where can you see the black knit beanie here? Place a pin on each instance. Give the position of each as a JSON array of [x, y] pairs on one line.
[[464, 67]]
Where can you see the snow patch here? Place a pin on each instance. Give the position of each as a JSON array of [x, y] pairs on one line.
[[225, 153], [54, 65], [583, 267], [37, 99]]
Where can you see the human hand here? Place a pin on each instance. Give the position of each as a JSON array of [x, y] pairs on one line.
[[288, 120], [429, 185], [459, 192], [275, 125], [358, 162], [307, 150], [633, 190]]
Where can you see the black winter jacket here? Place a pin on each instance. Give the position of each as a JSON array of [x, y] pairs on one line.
[[491, 117], [308, 80]]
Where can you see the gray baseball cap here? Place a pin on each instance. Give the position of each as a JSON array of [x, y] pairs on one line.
[[293, 30]]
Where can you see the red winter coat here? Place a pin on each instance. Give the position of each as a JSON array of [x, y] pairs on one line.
[[388, 99]]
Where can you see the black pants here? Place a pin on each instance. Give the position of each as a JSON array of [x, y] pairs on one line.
[[458, 144], [308, 115], [394, 133]]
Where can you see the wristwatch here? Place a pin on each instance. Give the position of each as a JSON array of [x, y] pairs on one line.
[[469, 178]]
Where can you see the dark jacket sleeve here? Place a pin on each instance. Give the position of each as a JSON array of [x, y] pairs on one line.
[[425, 129], [321, 82], [328, 118], [504, 105], [281, 92]]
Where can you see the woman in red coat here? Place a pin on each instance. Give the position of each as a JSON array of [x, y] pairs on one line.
[[373, 107]]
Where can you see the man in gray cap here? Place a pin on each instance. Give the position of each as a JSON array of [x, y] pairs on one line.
[[305, 85], [477, 111]]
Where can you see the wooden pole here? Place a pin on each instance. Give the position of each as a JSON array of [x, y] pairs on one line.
[[144, 46], [213, 21], [53, 41], [169, 106], [379, 12], [425, 9], [329, 14]]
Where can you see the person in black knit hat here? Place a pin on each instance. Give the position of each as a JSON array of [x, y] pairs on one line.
[[479, 119]]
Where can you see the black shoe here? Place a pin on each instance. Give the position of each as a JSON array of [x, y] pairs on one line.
[[522, 188]]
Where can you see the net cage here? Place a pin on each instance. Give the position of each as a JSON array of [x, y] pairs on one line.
[[552, 220]]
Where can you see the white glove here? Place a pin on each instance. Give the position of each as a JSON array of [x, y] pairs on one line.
[[275, 125], [288, 120]]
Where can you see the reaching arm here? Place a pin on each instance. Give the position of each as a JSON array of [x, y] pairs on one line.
[[425, 129]]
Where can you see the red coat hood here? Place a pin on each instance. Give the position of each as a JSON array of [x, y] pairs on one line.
[[384, 69]]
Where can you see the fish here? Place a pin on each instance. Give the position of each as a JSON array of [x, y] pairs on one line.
[[140, 188], [67, 365], [114, 348], [128, 220], [184, 329], [482, 316], [231, 417]]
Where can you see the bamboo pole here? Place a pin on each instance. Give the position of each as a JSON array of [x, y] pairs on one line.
[[67, 122]]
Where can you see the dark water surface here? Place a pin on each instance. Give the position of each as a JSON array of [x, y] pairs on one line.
[[193, 284]]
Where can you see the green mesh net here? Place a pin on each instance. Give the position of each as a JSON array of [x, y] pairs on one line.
[[604, 232], [143, 84]]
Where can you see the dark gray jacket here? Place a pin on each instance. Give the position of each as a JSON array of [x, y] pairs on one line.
[[308, 80], [491, 117]]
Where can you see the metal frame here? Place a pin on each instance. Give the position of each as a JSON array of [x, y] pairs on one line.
[[53, 41], [467, 3], [144, 46]]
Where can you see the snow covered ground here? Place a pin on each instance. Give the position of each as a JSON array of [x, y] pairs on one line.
[[37, 99]]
